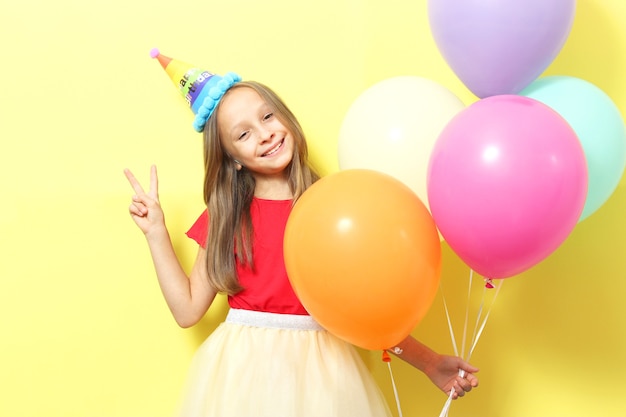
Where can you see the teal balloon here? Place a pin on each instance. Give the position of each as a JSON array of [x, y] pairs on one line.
[[600, 128]]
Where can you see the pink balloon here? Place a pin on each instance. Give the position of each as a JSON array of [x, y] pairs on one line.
[[507, 182]]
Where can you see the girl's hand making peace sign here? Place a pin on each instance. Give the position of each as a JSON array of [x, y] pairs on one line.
[[187, 296], [146, 209]]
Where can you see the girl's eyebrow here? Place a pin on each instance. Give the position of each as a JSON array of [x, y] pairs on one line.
[[237, 126]]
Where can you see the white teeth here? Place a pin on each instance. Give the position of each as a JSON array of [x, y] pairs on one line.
[[274, 150]]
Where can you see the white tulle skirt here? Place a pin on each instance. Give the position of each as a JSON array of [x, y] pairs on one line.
[[276, 365]]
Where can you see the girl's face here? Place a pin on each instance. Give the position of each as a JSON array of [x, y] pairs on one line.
[[251, 133]]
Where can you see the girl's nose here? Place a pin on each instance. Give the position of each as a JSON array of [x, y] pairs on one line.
[[266, 134]]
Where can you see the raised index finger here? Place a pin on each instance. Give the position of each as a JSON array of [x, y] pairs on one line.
[[133, 182]]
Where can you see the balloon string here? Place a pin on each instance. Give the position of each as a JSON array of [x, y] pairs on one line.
[[477, 324], [477, 332], [482, 327], [445, 306], [467, 304], [448, 403], [387, 359]]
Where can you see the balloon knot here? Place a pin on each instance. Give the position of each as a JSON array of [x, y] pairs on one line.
[[489, 283], [386, 357]]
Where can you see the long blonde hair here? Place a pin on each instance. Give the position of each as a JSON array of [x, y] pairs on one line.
[[228, 193]]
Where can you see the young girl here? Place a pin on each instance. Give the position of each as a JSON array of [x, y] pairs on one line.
[[269, 358]]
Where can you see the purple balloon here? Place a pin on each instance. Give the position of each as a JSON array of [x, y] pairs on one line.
[[507, 182], [500, 46]]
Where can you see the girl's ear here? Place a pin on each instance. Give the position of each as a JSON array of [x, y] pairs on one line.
[[238, 165]]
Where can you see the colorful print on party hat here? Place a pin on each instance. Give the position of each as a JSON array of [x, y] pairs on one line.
[[189, 79], [201, 89]]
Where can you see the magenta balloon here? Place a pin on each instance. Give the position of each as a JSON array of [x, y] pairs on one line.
[[500, 46], [507, 182]]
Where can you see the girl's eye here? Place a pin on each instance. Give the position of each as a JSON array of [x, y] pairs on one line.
[[243, 135], [268, 116]]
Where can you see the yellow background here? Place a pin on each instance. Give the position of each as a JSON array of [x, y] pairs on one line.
[[83, 328]]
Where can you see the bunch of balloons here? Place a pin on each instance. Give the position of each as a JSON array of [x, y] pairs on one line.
[[512, 174], [504, 180]]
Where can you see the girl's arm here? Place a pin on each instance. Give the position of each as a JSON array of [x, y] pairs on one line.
[[188, 297], [442, 370]]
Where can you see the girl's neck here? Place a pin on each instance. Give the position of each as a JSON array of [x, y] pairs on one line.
[[273, 189]]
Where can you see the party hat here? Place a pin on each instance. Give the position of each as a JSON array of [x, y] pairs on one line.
[[201, 89]]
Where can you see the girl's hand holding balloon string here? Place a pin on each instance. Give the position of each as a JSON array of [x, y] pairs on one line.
[[446, 372], [451, 372]]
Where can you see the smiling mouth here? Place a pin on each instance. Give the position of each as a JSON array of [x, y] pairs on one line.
[[274, 149]]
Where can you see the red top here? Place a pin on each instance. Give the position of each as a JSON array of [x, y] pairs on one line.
[[267, 287]]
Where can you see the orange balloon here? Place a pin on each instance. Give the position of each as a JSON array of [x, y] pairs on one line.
[[364, 257]]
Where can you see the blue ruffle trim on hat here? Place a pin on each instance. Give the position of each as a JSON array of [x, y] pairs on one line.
[[213, 97]]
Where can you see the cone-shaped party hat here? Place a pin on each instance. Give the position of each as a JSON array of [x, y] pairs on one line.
[[201, 89]]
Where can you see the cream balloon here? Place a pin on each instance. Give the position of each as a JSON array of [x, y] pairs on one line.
[[392, 127]]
